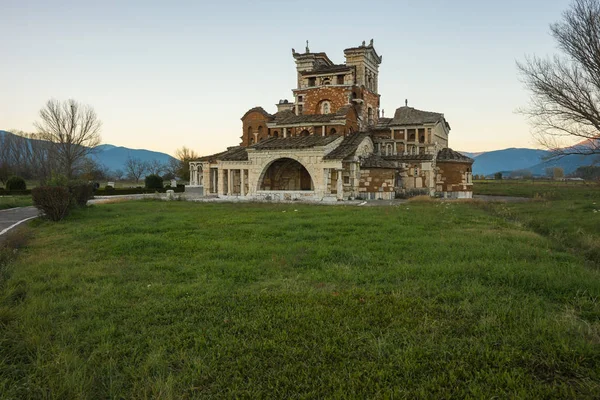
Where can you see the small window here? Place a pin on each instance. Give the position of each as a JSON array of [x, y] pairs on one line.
[[325, 107], [251, 140], [260, 129], [276, 134], [300, 109], [332, 131], [346, 180], [305, 133], [416, 171], [300, 99], [312, 82], [340, 79], [326, 82]]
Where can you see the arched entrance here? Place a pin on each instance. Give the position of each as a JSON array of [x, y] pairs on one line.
[[286, 174]]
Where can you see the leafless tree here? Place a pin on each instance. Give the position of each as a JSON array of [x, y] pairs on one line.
[[565, 89], [135, 168], [73, 129], [184, 155], [156, 167]]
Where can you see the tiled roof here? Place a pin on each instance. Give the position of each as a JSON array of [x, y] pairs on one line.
[[383, 123], [237, 153], [298, 142], [449, 155], [412, 116], [260, 110], [347, 147], [375, 161], [409, 157], [325, 69], [290, 118]]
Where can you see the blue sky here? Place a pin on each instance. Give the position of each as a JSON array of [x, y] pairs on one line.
[[162, 75]]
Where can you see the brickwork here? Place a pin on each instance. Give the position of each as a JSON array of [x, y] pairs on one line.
[[254, 128], [454, 177], [376, 180], [336, 95]]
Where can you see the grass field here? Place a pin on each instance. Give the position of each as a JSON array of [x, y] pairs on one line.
[[543, 189], [14, 201], [182, 300]]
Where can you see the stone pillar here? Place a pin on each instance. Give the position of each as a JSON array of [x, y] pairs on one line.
[[323, 130], [229, 182], [242, 182], [340, 185], [220, 180], [284, 132], [206, 178]]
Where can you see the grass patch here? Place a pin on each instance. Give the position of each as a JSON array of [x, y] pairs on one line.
[[14, 201], [547, 190], [185, 300]]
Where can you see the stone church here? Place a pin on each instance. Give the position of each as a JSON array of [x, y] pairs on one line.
[[331, 143]]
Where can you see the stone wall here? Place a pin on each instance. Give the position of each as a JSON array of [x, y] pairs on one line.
[[377, 183], [454, 177]]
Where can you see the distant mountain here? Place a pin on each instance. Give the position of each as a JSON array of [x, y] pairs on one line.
[[114, 157], [489, 162]]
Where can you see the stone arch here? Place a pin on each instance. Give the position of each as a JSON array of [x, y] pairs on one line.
[[305, 132], [285, 174]]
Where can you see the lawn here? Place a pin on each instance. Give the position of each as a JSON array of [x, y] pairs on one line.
[[14, 201], [184, 300], [543, 189]]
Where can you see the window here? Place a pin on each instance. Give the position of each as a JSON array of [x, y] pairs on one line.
[[249, 131], [346, 180], [326, 81], [325, 107], [332, 131], [260, 129], [276, 134], [340, 79], [300, 109], [370, 116], [300, 99], [411, 135], [305, 133], [251, 140], [416, 171], [422, 135], [312, 82]]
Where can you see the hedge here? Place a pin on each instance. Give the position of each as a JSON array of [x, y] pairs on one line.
[[123, 191], [4, 192]]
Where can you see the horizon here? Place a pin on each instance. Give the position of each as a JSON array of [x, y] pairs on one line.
[[162, 77]]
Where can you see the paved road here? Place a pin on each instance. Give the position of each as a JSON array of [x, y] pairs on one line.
[[14, 216]]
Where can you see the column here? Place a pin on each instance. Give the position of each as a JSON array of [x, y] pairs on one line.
[[194, 174], [229, 182], [340, 185], [284, 132], [323, 130], [220, 180], [243, 182]]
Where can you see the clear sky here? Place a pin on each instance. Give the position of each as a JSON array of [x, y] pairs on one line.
[[164, 74]]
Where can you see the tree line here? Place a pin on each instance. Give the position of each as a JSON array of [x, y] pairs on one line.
[[67, 134]]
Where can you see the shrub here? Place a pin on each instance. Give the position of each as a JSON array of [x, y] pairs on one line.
[[81, 193], [53, 201], [153, 182], [16, 183]]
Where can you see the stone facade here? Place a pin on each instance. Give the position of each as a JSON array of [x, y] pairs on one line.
[[331, 143]]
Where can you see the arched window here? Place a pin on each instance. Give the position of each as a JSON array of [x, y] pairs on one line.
[[325, 107], [276, 134], [251, 140], [305, 133], [370, 116], [332, 131], [260, 129], [249, 131], [326, 82]]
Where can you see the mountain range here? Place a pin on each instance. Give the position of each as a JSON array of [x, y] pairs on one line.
[[534, 160], [114, 157], [486, 163]]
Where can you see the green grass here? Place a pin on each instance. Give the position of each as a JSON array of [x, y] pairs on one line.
[[550, 190], [182, 300], [14, 201]]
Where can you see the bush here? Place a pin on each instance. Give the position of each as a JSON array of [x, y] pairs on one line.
[[153, 182], [81, 193], [53, 201], [16, 183]]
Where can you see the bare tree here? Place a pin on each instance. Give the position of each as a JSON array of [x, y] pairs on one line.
[[135, 168], [565, 90], [118, 174], [184, 155], [156, 167], [73, 129]]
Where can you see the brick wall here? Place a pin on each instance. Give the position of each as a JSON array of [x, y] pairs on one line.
[[376, 180], [452, 177], [337, 96], [254, 120]]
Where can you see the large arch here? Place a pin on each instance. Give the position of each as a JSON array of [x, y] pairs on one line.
[[285, 174]]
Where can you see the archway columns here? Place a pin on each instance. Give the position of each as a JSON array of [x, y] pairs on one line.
[[340, 184]]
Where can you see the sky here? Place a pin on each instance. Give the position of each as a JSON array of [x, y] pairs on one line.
[[162, 75]]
